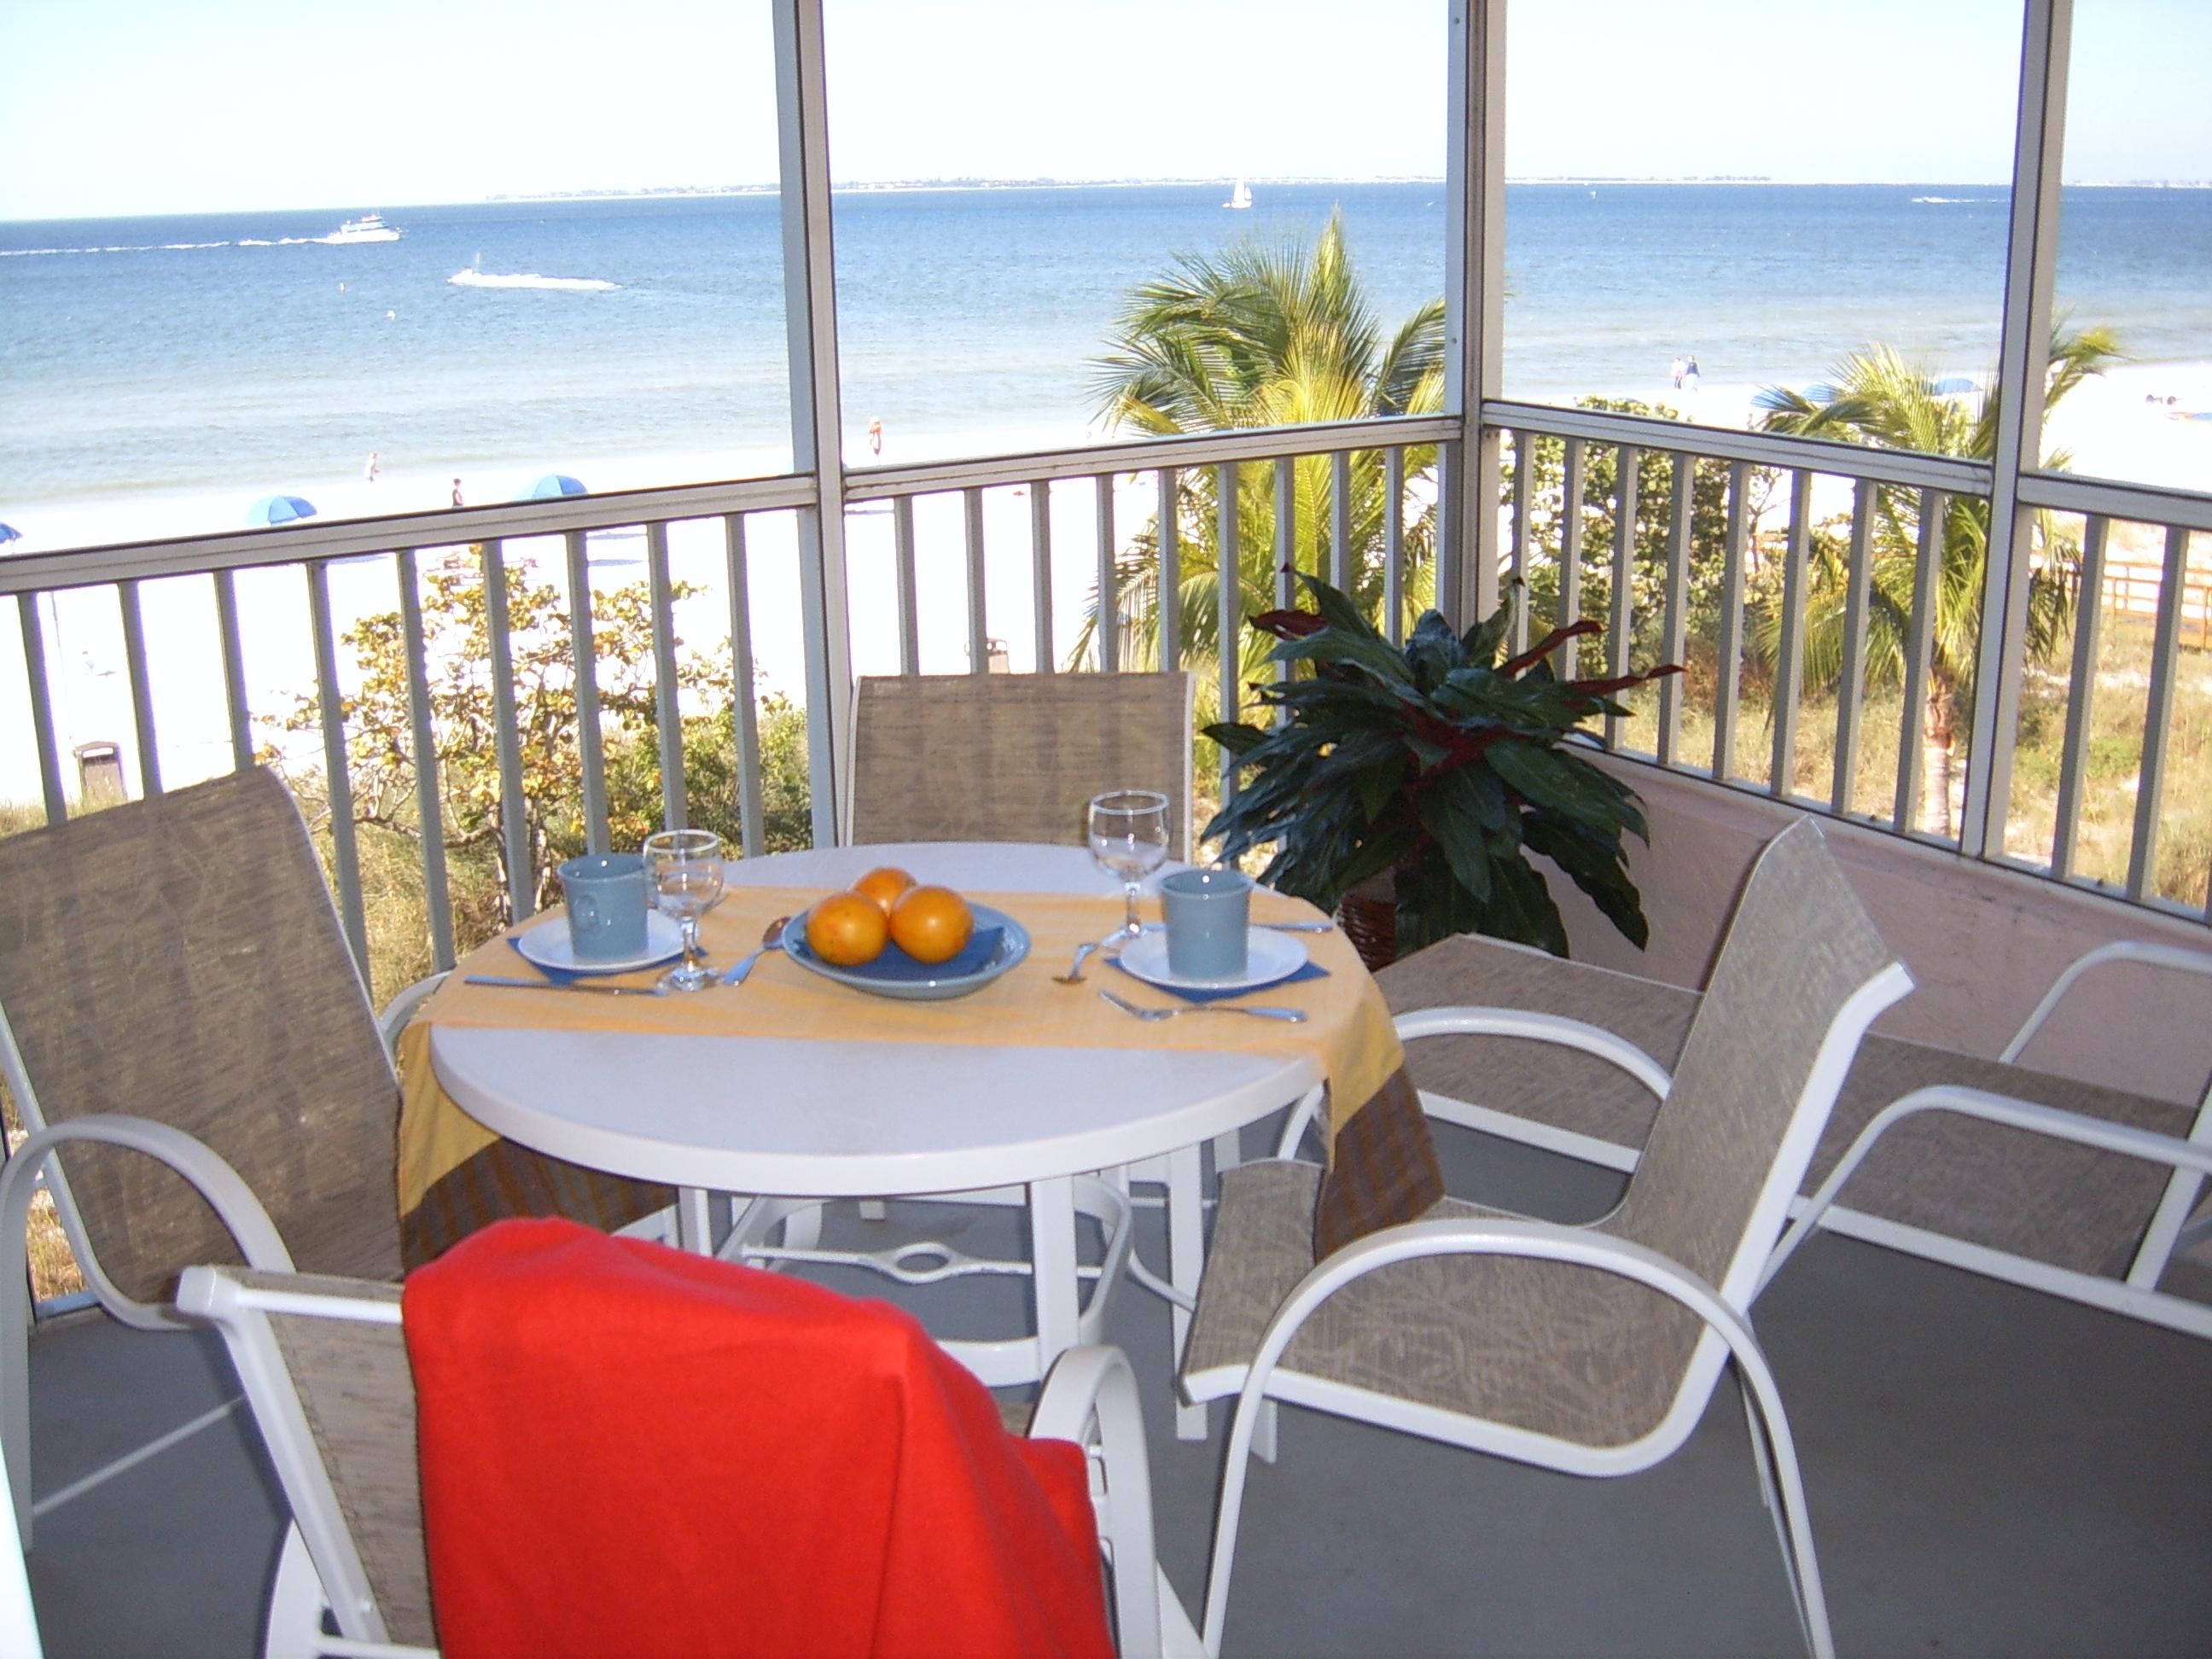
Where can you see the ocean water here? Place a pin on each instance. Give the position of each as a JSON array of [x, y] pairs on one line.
[[242, 351]]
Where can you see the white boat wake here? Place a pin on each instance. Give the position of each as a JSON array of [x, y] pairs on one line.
[[470, 276]]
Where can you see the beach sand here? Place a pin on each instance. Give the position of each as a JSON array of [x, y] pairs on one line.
[[2118, 426]]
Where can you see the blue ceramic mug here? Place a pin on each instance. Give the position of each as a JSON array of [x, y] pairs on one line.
[[1208, 914], [606, 899]]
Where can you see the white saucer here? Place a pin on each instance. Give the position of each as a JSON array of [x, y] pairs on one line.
[[1269, 958], [548, 946]]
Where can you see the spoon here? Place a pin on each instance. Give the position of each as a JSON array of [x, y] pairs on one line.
[[1074, 974], [769, 941]]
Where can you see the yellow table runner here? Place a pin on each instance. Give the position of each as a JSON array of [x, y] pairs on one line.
[[1348, 1033]]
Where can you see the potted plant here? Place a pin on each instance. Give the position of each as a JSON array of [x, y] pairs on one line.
[[1437, 765]]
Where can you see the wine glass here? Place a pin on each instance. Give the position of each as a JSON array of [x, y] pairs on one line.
[[684, 870], [1129, 839]]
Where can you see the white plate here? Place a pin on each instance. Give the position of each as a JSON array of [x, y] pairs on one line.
[[548, 946], [1269, 958]]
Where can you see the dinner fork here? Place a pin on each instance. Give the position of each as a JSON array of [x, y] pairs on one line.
[[1293, 1016]]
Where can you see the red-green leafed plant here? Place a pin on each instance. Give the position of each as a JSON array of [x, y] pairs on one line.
[[1438, 763]]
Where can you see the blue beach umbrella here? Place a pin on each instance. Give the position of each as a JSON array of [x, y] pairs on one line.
[[279, 509], [10, 533], [553, 484], [1955, 385]]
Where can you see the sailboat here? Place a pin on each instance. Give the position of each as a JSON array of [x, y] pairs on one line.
[[1240, 196]]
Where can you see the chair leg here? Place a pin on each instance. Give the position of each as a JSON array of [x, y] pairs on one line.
[[1793, 1523], [1185, 1259], [1760, 1460]]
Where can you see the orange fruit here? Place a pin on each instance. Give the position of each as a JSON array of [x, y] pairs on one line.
[[846, 929], [884, 884], [931, 924]]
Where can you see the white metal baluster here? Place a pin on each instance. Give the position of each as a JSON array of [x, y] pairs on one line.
[[2080, 696], [2158, 716], [1935, 506], [746, 724], [1682, 506], [667, 706], [979, 628], [1285, 546], [910, 618], [584, 656], [1394, 545], [234, 670], [1041, 570], [1627, 481], [1339, 521], [1228, 613], [506, 742], [1731, 640], [42, 709], [142, 689], [1790, 670], [1850, 686], [1169, 521], [429, 816], [1109, 590], [1524, 461], [345, 854], [1568, 662]]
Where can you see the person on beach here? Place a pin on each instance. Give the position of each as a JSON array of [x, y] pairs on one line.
[[875, 436], [371, 469], [1675, 369], [456, 492], [1689, 374]]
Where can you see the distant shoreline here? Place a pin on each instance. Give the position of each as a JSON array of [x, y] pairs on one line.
[[950, 186]]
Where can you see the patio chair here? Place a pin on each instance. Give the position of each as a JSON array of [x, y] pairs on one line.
[[327, 1373], [1995, 1166], [188, 1041], [1013, 757], [1592, 1350]]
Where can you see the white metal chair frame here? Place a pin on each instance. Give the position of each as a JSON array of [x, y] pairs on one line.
[[1724, 1308], [1090, 1398], [217, 1182]]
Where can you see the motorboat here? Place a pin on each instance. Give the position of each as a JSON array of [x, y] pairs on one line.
[[369, 228]]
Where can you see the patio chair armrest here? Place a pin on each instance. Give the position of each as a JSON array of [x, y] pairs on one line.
[[215, 1181], [1093, 1388], [1465, 1020], [2140, 952], [1537, 1240], [2061, 1125], [401, 1009]]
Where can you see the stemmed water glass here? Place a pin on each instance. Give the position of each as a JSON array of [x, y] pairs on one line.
[[1129, 839], [684, 869]]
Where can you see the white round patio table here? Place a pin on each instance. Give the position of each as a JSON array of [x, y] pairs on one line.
[[811, 1118]]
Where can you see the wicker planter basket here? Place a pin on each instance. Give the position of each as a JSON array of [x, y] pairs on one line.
[[1369, 915]]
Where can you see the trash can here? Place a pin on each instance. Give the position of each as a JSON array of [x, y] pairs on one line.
[[99, 772]]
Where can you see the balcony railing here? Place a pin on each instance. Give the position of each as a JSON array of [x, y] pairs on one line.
[[1758, 561]]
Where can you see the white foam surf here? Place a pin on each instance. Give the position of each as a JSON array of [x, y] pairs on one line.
[[471, 277]]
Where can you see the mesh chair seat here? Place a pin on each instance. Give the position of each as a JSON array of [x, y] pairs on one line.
[[1006, 757], [1542, 1346]]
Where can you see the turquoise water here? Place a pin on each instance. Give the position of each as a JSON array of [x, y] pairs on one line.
[[238, 350]]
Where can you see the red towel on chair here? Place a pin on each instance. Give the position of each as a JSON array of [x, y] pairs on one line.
[[629, 1450]]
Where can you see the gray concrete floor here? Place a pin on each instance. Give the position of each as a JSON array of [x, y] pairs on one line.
[[1991, 1471]]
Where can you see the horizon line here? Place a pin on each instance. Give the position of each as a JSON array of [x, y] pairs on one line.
[[975, 183]]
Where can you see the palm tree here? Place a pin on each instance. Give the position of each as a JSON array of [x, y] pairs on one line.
[[1878, 398], [1262, 337]]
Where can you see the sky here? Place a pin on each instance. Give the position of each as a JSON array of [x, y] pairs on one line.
[[136, 107]]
